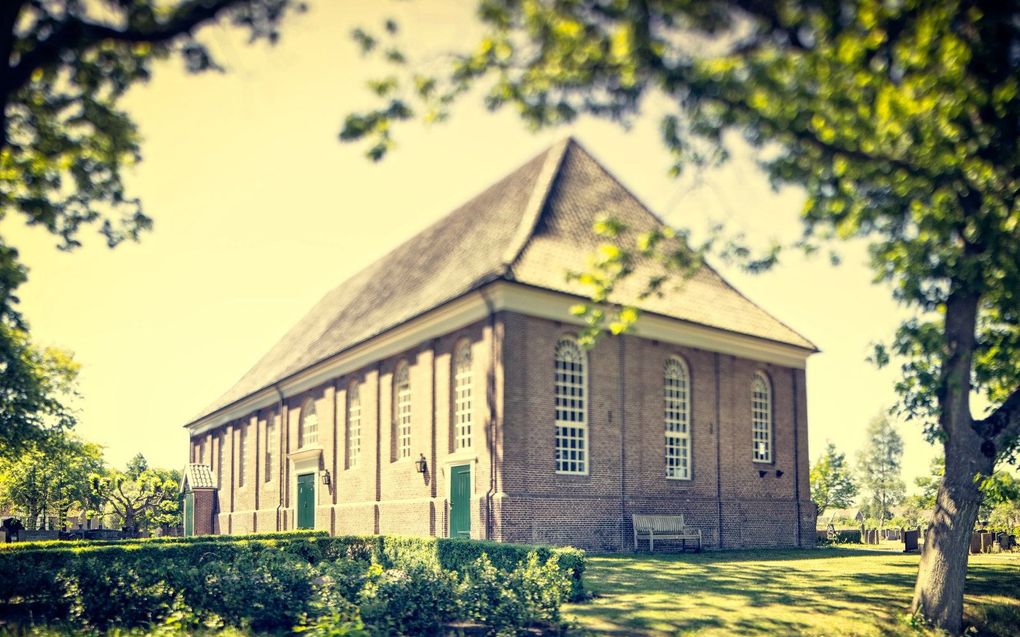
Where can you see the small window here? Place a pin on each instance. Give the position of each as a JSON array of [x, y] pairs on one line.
[[462, 390], [353, 425], [570, 384], [272, 440], [761, 417], [677, 418], [242, 461], [402, 419], [309, 425]]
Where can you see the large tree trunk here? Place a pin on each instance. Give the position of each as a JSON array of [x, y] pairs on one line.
[[938, 593]]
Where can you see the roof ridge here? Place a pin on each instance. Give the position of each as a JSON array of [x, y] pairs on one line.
[[536, 203]]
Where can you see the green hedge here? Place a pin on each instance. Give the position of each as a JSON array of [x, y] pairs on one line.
[[63, 544], [130, 583], [446, 553]]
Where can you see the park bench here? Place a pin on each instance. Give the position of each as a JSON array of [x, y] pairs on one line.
[[664, 527]]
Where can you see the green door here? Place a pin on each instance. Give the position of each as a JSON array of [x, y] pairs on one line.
[[189, 514], [306, 501], [460, 501]]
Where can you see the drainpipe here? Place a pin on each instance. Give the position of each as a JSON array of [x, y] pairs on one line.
[[491, 395], [280, 415], [718, 452], [621, 377]]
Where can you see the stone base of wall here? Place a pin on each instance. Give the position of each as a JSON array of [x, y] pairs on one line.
[[594, 524], [604, 524]]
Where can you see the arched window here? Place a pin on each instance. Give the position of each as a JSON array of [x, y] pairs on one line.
[[571, 421], [272, 440], [676, 391], [761, 417], [242, 460], [402, 420], [308, 426], [462, 389], [221, 440], [353, 425]]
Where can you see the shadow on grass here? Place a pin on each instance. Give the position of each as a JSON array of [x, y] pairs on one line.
[[827, 591]]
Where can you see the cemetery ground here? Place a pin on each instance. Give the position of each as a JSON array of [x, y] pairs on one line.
[[827, 591]]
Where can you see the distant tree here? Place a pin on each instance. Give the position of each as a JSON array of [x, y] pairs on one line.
[[52, 479], [832, 482], [929, 484], [879, 465], [38, 386], [137, 498], [1001, 505], [900, 121], [65, 142]]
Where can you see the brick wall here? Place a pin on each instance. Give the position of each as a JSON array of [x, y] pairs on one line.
[[726, 496], [513, 413]]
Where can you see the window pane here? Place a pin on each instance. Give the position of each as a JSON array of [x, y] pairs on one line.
[[571, 423]]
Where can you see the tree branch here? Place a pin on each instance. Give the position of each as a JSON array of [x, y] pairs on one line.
[[1003, 425], [80, 34]]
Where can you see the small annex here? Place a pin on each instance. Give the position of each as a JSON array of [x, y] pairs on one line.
[[442, 391]]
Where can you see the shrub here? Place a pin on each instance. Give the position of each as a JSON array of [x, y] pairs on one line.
[[416, 600]]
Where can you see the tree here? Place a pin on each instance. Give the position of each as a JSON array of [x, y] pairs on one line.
[[138, 497], [832, 484], [901, 122], [52, 479], [39, 386], [879, 465], [64, 141]]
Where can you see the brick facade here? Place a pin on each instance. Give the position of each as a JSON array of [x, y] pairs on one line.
[[516, 495]]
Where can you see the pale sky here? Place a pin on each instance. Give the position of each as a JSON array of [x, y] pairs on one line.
[[259, 211]]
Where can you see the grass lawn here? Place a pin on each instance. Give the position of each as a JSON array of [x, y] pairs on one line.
[[828, 591]]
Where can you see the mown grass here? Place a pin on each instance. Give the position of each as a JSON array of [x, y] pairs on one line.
[[828, 591]]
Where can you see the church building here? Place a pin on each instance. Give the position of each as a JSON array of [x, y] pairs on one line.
[[442, 391]]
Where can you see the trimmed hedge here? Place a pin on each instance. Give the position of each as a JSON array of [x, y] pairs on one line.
[[135, 583], [201, 539], [446, 553]]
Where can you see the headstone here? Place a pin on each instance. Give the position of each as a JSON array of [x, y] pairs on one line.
[[910, 539]]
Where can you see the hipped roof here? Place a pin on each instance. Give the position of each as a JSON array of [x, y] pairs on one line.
[[532, 227]]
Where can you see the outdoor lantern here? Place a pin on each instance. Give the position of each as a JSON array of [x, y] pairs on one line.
[[325, 477], [761, 473], [779, 473], [421, 464]]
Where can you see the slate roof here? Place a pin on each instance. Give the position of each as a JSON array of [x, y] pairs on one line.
[[198, 476], [531, 226]]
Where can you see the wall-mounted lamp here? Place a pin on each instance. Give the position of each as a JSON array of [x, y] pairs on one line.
[[779, 473], [326, 480], [421, 465], [761, 473]]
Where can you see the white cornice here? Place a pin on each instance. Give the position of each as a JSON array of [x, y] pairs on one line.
[[472, 307]]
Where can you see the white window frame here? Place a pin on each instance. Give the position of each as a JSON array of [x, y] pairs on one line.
[[676, 389], [463, 396], [574, 404], [402, 411], [220, 455], [308, 436], [761, 418], [353, 437]]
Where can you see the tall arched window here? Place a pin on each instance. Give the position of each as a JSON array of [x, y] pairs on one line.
[[462, 403], [353, 425], [272, 440], [242, 459], [676, 391], [221, 440], [308, 426], [402, 419], [761, 417], [571, 421]]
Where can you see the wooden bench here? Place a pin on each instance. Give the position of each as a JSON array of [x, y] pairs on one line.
[[664, 527]]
